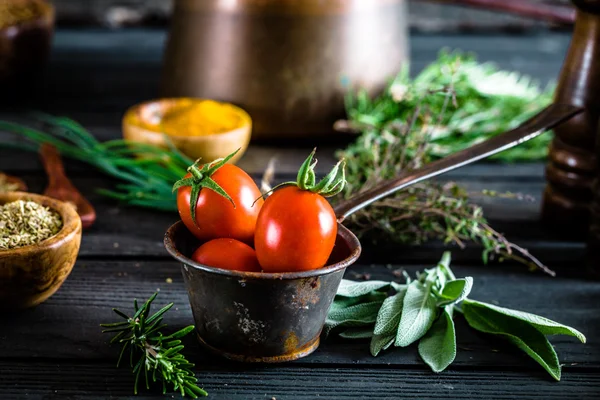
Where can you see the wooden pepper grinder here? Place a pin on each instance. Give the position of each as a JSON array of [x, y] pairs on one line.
[[571, 169]]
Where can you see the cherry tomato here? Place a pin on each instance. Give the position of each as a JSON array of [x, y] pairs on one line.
[[227, 254], [295, 231], [216, 217]]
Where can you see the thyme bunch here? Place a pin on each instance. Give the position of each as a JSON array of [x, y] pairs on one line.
[[158, 357], [443, 110]]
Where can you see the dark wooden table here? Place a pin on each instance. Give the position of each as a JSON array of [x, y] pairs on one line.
[[57, 350]]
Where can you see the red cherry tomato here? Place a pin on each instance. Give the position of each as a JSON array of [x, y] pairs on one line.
[[216, 217], [295, 231], [227, 254]]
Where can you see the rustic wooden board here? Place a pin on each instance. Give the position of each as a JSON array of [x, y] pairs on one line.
[[130, 232], [71, 318], [58, 351], [80, 380]]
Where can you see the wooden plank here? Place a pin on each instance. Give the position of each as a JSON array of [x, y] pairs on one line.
[[70, 319], [129, 231], [49, 380]]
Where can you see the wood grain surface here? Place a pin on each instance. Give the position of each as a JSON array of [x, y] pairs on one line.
[[57, 350]]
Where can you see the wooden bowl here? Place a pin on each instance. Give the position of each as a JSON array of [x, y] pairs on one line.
[[31, 274], [206, 147], [24, 50]]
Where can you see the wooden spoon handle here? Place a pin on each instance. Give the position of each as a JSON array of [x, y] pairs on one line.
[[53, 166], [61, 188]]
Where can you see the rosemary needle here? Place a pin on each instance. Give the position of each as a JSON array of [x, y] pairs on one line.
[[152, 354]]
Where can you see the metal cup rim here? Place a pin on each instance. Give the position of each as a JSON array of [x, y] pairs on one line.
[[345, 233]]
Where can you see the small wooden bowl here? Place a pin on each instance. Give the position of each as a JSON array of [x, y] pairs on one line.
[[31, 274], [24, 50], [206, 147]]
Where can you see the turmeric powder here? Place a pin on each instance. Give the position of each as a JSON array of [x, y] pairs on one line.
[[14, 12], [192, 117]]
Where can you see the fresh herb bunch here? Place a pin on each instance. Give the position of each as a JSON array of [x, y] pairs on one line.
[[485, 102], [157, 355], [422, 310], [453, 103], [147, 172]]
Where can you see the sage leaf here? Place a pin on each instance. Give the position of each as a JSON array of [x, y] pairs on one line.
[[418, 313], [544, 325], [398, 286], [340, 302], [388, 317], [349, 288], [517, 331], [364, 311], [444, 265], [438, 347], [455, 291], [357, 333], [381, 342], [364, 314]]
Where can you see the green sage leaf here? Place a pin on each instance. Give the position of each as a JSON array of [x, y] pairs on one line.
[[544, 325], [388, 317], [359, 311], [349, 288], [521, 333], [358, 315], [418, 313], [455, 291], [381, 342], [438, 347], [357, 333]]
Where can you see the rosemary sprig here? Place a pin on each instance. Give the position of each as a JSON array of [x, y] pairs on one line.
[[158, 357], [147, 172], [442, 110]]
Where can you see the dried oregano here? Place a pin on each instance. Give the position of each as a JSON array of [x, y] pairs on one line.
[[24, 223]]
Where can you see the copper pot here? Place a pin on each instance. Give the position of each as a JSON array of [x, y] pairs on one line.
[[287, 62]]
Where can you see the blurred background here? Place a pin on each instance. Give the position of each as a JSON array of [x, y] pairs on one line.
[[108, 55]]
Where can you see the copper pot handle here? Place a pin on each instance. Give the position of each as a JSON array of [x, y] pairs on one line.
[[540, 11]]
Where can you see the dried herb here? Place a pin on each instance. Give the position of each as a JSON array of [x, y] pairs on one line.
[[23, 223], [422, 310], [453, 103], [6, 186], [156, 356]]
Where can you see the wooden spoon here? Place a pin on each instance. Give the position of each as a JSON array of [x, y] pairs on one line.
[[61, 188]]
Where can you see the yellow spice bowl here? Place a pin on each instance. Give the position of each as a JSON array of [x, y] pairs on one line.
[[142, 123]]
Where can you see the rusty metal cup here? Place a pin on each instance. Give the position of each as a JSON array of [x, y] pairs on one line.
[[260, 317], [274, 317]]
